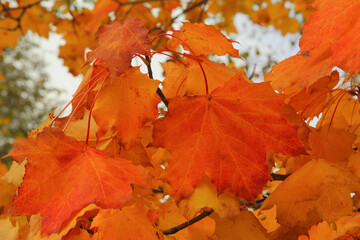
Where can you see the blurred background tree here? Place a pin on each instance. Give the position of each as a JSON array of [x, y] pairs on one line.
[[25, 97]]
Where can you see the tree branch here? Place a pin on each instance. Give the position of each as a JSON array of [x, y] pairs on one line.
[[188, 223], [140, 1], [158, 90], [6, 9], [202, 12], [7, 14], [185, 11], [279, 177]]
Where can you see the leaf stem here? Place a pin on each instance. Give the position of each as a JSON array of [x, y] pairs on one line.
[[279, 177], [168, 55], [158, 90], [78, 105], [188, 223], [193, 53], [182, 82], [331, 120], [76, 95], [91, 108]]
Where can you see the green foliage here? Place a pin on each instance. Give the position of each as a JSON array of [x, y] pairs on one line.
[[23, 92]]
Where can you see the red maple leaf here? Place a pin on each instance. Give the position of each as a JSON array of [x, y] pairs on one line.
[[118, 43], [61, 178], [225, 136]]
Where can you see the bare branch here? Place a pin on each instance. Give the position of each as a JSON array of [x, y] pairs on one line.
[[279, 177], [188, 223]]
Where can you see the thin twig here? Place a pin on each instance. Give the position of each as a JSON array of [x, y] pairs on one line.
[[253, 73], [162, 96], [185, 11], [73, 19], [158, 90], [23, 9], [202, 12], [279, 177], [188, 223], [159, 190], [7, 9], [140, 1]]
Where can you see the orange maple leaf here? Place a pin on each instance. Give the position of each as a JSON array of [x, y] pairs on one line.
[[330, 26], [203, 39], [118, 43], [126, 103], [61, 178], [289, 76], [226, 136]]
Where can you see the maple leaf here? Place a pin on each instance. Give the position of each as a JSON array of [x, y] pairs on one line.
[[135, 98], [318, 191], [226, 136], [129, 223], [61, 178], [289, 76], [118, 43], [335, 24], [203, 39]]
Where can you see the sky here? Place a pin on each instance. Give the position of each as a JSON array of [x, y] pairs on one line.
[[252, 38]]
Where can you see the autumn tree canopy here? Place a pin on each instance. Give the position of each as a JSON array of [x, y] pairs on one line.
[[225, 158]]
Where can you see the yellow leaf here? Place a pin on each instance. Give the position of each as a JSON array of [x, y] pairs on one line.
[[244, 226], [7, 230], [318, 191], [15, 174], [267, 218], [205, 195]]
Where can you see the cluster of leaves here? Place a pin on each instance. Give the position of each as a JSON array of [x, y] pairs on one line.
[[116, 168], [79, 24]]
